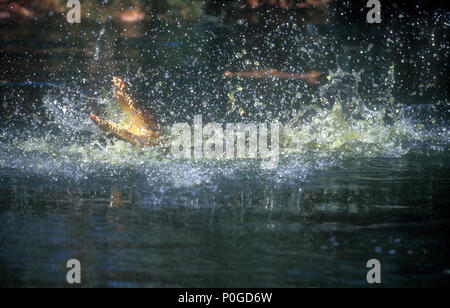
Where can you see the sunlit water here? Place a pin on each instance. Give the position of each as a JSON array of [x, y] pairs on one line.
[[363, 169]]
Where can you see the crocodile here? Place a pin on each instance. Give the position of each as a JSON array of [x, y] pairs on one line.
[[139, 128]]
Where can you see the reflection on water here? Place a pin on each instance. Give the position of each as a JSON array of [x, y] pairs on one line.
[[317, 233], [363, 171]]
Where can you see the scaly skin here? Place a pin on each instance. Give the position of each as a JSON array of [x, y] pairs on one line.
[[139, 128]]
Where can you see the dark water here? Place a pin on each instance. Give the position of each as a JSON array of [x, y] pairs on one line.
[[353, 183]]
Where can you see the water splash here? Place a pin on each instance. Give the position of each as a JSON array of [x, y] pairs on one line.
[[342, 125], [338, 125], [98, 44]]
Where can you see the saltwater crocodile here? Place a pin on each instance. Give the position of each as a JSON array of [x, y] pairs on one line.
[[138, 128]]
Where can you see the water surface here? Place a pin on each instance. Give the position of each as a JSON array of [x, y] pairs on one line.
[[363, 170]]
